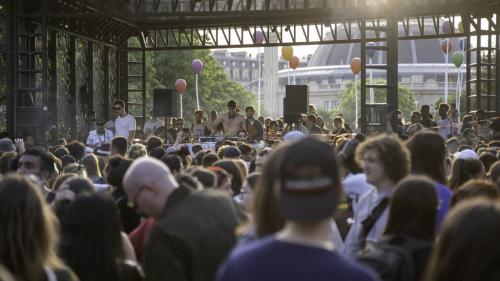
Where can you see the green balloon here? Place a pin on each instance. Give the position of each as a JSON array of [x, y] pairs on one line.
[[458, 58]]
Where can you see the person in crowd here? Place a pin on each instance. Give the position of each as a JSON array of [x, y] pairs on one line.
[[309, 188], [91, 165], [38, 163], [428, 154], [321, 124], [311, 125], [210, 122], [232, 121], [467, 121], [115, 171], [242, 136], [452, 145], [445, 125], [89, 124], [494, 172], [92, 242], [495, 129], [199, 126], [230, 152], [426, 120], [339, 128], [245, 198], [174, 163], [110, 124], [254, 128], [28, 240], [410, 229], [153, 142], [464, 170], [99, 136], [470, 228], [151, 125], [180, 247], [136, 150], [232, 168], [396, 122], [488, 159], [125, 124], [223, 180], [311, 109], [206, 177], [415, 117], [119, 146], [209, 159], [469, 137], [76, 149], [385, 161], [475, 189]]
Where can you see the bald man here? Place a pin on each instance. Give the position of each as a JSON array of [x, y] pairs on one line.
[[195, 230]]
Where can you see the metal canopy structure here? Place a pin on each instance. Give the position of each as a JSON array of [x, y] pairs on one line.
[[97, 32]]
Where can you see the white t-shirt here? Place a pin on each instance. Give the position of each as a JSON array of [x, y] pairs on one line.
[[123, 125], [152, 124]]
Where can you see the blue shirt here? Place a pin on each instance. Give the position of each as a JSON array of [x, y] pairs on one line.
[[270, 259], [444, 197]]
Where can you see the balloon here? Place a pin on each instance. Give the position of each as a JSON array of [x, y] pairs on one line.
[[197, 66], [356, 65], [370, 49], [446, 46], [294, 62], [458, 58], [259, 37], [463, 43], [461, 27], [180, 86], [447, 27], [287, 52]]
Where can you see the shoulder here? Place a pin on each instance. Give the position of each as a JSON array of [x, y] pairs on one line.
[[130, 271], [65, 274]]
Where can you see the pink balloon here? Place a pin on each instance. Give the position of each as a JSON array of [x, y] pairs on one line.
[[446, 46], [180, 86], [197, 66], [447, 27], [259, 37]]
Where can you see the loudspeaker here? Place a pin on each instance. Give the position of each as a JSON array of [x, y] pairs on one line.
[[295, 102], [165, 103]]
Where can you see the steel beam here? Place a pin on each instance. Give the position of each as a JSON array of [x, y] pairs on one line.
[[72, 85], [12, 60]]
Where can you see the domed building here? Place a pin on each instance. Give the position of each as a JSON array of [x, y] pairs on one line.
[[422, 67]]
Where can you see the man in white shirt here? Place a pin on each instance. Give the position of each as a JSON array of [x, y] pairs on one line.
[[445, 126], [125, 124], [99, 136], [385, 161], [232, 120], [151, 125]]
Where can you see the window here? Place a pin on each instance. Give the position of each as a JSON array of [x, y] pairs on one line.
[[255, 74], [236, 74], [228, 71], [224, 62], [246, 74], [243, 64]]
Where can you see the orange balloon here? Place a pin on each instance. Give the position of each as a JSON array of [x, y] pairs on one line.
[[287, 52], [180, 86], [294, 62], [356, 66]]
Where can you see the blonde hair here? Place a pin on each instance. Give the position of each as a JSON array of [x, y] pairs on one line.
[[91, 164], [136, 150], [28, 236]]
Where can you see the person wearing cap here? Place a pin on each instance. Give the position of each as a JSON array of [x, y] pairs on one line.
[[309, 187], [199, 126], [385, 160], [232, 121], [194, 230], [99, 136]]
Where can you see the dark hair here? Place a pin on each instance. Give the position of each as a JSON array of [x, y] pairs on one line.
[[464, 170], [61, 151], [60, 179], [249, 108], [91, 238], [487, 159], [46, 160], [245, 148], [157, 152], [231, 103], [464, 250], [394, 156], [120, 144], [80, 185], [206, 177], [120, 102], [232, 168], [67, 159], [116, 169], [413, 209], [196, 148], [153, 143], [444, 105], [468, 131], [428, 152], [198, 158], [494, 172], [76, 149], [209, 159], [474, 189], [173, 162], [252, 180]]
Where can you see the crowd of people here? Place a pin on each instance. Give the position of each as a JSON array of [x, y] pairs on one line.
[[240, 197]]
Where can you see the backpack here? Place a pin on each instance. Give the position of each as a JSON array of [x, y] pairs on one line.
[[392, 262]]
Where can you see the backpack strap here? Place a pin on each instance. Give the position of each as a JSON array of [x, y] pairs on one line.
[[376, 213]]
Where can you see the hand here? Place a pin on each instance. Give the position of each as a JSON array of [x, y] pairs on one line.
[[19, 145]]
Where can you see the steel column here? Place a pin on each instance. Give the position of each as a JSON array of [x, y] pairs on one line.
[[12, 61], [90, 76], [72, 85], [105, 61], [53, 119]]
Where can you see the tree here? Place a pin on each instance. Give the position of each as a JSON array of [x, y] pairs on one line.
[[406, 100]]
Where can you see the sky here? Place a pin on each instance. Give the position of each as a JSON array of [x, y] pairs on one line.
[[299, 51]]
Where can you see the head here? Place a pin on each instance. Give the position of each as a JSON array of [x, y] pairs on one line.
[[494, 172], [209, 159], [338, 122], [488, 159], [91, 165], [242, 135], [136, 150], [474, 189], [452, 145], [6, 145], [231, 152], [76, 149], [415, 117], [320, 122], [311, 120], [179, 123], [425, 110], [384, 159], [213, 115], [469, 228], [463, 170], [413, 209], [100, 127], [469, 136], [311, 108], [443, 110], [28, 239], [90, 116], [206, 177], [428, 152], [223, 180], [115, 170], [119, 107], [249, 112], [174, 163], [231, 108], [36, 162], [232, 168], [148, 184], [154, 142], [119, 146], [198, 114], [248, 191]]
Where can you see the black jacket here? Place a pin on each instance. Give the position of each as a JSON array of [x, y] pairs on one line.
[[192, 237]]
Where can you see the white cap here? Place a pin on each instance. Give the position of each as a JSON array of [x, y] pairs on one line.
[[466, 154], [293, 136]]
